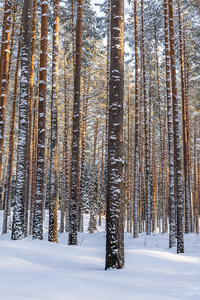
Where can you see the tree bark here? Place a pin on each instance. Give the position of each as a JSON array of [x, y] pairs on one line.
[[76, 120], [136, 160], [114, 218], [53, 195], [18, 213], [177, 147], [40, 172]]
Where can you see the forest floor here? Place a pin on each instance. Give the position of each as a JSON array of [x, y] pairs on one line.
[[40, 270]]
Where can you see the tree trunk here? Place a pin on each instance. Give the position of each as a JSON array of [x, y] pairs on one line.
[[177, 147], [4, 82], [53, 195], [29, 158], [172, 226], [40, 171], [185, 137], [136, 161], [18, 214], [92, 222], [11, 146], [76, 120], [114, 218]]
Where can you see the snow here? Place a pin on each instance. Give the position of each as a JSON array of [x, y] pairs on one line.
[[32, 269]]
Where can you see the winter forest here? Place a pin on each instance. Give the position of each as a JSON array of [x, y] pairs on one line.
[[100, 149]]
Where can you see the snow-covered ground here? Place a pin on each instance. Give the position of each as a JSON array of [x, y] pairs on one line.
[[41, 270]]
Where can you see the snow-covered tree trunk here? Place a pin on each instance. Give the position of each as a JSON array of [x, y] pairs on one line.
[[184, 121], [73, 37], [53, 195], [195, 179], [127, 181], [83, 171], [187, 110], [4, 77], [172, 226], [29, 158], [146, 132], [136, 160], [161, 179], [101, 180], [34, 160], [177, 146], [7, 201], [18, 213], [14, 17], [40, 172], [92, 222], [76, 120], [65, 184], [114, 218], [107, 89], [66, 170]]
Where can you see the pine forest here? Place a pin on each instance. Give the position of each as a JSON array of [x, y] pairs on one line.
[[99, 123]]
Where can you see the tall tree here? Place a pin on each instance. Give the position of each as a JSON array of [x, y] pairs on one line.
[[172, 229], [114, 216], [184, 121], [40, 174], [7, 200], [53, 195], [177, 147], [147, 163], [4, 75], [136, 162], [29, 158], [76, 121], [18, 213]]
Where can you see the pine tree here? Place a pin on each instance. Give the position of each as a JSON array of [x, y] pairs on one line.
[[7, 200], [4, 76], [18, 213], [114, 217], [172, 228], [177, 147], [76, 121], [136, 162], [40, 173], [53, 195]]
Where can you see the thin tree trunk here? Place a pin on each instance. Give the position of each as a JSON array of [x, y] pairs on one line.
[[66, 141], [92, 222], [76, 120], [172, 225], [53, 195], [101, 180], [147, 167], [177, 147], [40, 171], [184, 121], [29, 159], [136, 162]]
